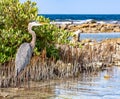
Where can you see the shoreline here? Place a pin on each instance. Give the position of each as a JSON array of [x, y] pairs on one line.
[[89, 26]]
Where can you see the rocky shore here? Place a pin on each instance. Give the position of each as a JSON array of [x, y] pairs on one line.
[[91, 27]]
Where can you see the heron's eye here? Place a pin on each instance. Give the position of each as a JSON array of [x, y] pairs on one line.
[[37, 22]]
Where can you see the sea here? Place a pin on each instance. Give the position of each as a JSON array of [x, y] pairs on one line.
[[81, 18]]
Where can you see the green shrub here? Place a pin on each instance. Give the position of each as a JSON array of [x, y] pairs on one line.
[[14, 18]]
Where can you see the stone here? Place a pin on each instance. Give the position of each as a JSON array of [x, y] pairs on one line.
[[71, 26], [64, 26], [84, 25], [93, 30], [4, 94], [107, 76], [93, 25], [103, 29], [91, 21], [85, 41], [117, 29], [90, 26]]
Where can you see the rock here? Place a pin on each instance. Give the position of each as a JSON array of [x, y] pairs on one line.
[[117, 29], [101, 22], [4, 94], [85, 30], [93, 25], [107, 76], [59, 26], [64, 26], [93, 30], [90, 21], [75, 28], [116, 63], [83, 42], [71, 26], [84, 25], [116, 56], [90, 26], [103, 29], [110, 26]]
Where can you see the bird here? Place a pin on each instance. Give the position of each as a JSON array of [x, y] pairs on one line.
[[77, 32], [76, 36], [25, 50]]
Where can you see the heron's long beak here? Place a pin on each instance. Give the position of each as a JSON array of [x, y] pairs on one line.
[[44, 23]]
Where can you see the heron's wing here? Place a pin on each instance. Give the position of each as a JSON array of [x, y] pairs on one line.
[[23, 57]]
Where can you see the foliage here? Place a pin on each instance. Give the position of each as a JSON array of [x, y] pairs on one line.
[[14, 18]]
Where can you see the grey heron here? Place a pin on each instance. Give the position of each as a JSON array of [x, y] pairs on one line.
[[25, 50]]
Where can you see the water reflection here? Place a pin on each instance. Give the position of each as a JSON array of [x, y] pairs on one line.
[[99, 36], [94, 85]]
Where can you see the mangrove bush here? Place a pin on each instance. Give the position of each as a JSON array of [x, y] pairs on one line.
[[14, 18]]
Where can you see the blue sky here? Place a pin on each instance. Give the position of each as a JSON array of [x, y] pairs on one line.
[[78, 6]]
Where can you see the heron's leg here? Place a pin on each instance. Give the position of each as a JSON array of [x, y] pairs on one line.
[[16, 81], [24, 79], [28, 77], [19, 84], [12, 81]]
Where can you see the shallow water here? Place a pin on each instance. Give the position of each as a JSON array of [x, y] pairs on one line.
[[96, 85], [99, 36]]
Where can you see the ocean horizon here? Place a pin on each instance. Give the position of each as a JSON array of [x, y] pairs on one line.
[[109, 18], [86, 16]]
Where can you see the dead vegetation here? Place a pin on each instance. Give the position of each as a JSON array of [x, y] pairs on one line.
[[92, 56]]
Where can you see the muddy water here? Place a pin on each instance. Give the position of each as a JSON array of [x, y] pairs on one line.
[[96, 85]]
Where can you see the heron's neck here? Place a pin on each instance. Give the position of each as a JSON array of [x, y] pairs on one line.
[[33, 37]]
